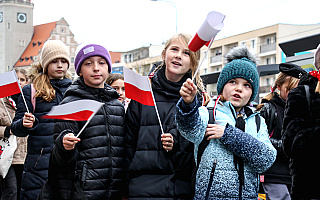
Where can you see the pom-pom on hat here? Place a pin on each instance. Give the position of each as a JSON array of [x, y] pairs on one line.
[[241, 64], [53, 49], [86, 50]]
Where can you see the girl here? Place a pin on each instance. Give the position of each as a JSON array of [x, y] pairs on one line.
[[160, 165], [301, 136], [116, 81], [277, 180], [237, 151], [10, 186], [90, 167], [50, 83]]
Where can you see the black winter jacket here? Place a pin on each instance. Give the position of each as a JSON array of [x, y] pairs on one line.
[[301, 137], [273, 112], [97, 162], [40, 141], [153, 172]]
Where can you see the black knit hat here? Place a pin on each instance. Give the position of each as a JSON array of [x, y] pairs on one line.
[[292, 70]]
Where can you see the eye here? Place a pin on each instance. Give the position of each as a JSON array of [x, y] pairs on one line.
[[247, 85], [174, 49], [22, 80], [88, 63], [123, 88], [54, 61], [187, 53], [63, 61], [102, 62], [232, 81]]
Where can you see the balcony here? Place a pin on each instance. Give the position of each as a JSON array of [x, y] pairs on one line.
[[217, 58], [267, 48], [26, 2]]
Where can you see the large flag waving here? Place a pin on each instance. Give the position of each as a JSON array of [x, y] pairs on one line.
[[9, 84], [81, 110], [138, 87]]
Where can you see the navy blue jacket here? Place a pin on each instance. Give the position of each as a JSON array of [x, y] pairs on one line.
[[40, 140]]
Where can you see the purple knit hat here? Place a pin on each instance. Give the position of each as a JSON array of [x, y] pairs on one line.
[[85, 51]]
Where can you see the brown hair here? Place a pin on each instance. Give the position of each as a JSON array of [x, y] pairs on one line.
[[281, 79], [114, 77], [22, 71], [41, 82], [194, 59]]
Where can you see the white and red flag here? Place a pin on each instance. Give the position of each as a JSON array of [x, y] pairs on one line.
[[9, 84], [208, 30], [138, 87], [81, 110]]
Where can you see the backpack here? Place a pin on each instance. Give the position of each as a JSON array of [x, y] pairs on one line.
[[203, 145]]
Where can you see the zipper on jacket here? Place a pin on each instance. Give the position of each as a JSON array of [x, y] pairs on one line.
[[109, 147], [38, 158], [211, 178]]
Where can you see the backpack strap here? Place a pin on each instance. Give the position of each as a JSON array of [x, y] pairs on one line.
[[33, 99], [258, 122], [306, 88]]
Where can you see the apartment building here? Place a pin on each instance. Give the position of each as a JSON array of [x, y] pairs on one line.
[[263, 42]]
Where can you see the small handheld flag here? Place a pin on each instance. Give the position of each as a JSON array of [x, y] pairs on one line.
[[137, 87], [208, 30], [9, 84], [81, 110]]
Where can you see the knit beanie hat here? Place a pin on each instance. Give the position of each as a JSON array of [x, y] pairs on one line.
[[85, 51], [53, 49], [241, 64]]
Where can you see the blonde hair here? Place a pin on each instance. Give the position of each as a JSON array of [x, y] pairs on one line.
[[281, 79], [41, 82], [194, 59], [22, 71]]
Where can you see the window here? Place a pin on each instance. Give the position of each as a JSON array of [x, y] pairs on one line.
[[268, 61], [253, 44], [268, 40], [268, 81]]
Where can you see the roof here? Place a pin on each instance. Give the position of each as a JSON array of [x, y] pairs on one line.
[[40, 35], [300, 44]]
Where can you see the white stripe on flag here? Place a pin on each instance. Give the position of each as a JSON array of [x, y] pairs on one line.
[[8, 77], [141, 82]]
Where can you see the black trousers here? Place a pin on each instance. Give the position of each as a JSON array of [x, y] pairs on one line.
[[11, 185]]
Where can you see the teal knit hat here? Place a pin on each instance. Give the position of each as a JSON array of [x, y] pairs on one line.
[[241, 64]]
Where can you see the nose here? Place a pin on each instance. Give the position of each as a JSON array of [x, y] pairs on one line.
[[178, 55], [59, 63], [239, 88], [95, 66]]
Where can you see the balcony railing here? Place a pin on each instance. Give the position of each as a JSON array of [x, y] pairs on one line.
[[217, 58], [267, 47]]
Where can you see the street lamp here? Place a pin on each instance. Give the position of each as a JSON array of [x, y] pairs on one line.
[[176, 11]]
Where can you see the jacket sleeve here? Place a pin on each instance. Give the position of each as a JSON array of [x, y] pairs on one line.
[[299, 131], [17, 127], [258, 152], [192, 125], [60, 156], [132, 126]]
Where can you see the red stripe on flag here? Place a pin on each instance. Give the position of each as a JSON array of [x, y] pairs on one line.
[[143, 97], [9, 89], [83, 115], [196, 43]]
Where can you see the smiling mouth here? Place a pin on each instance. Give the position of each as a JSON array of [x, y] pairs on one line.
[[176, 63]]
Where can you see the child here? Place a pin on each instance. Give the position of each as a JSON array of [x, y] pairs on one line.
[[11, 184], [92, 166], [301, 134], [237, 152], [116, 81], [50, 83], [276, 181], [160, 165]]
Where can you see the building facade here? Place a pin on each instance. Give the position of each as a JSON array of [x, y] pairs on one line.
[[16, 30]]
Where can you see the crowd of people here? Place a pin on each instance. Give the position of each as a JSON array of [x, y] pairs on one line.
[[207, 148]]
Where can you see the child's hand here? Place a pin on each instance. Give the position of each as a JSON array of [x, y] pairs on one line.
[[188, 91], [214, 131], [69, 141], [27, 120], [167, 141]]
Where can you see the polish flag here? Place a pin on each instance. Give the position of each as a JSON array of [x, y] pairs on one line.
[[138, 87], [209, 29], [9, 84], [81, 110]]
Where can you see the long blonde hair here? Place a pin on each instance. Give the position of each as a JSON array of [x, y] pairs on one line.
[[41, 82], [194, 59], [281, 79]]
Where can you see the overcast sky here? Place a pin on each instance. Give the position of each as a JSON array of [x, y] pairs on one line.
[[122, 25]]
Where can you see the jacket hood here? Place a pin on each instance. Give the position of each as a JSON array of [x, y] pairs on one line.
[[80, 89]]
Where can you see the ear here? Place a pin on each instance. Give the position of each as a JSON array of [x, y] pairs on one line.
[[163, 55], [278, 87]]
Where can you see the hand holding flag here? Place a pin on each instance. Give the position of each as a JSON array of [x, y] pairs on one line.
[[81, 110]]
